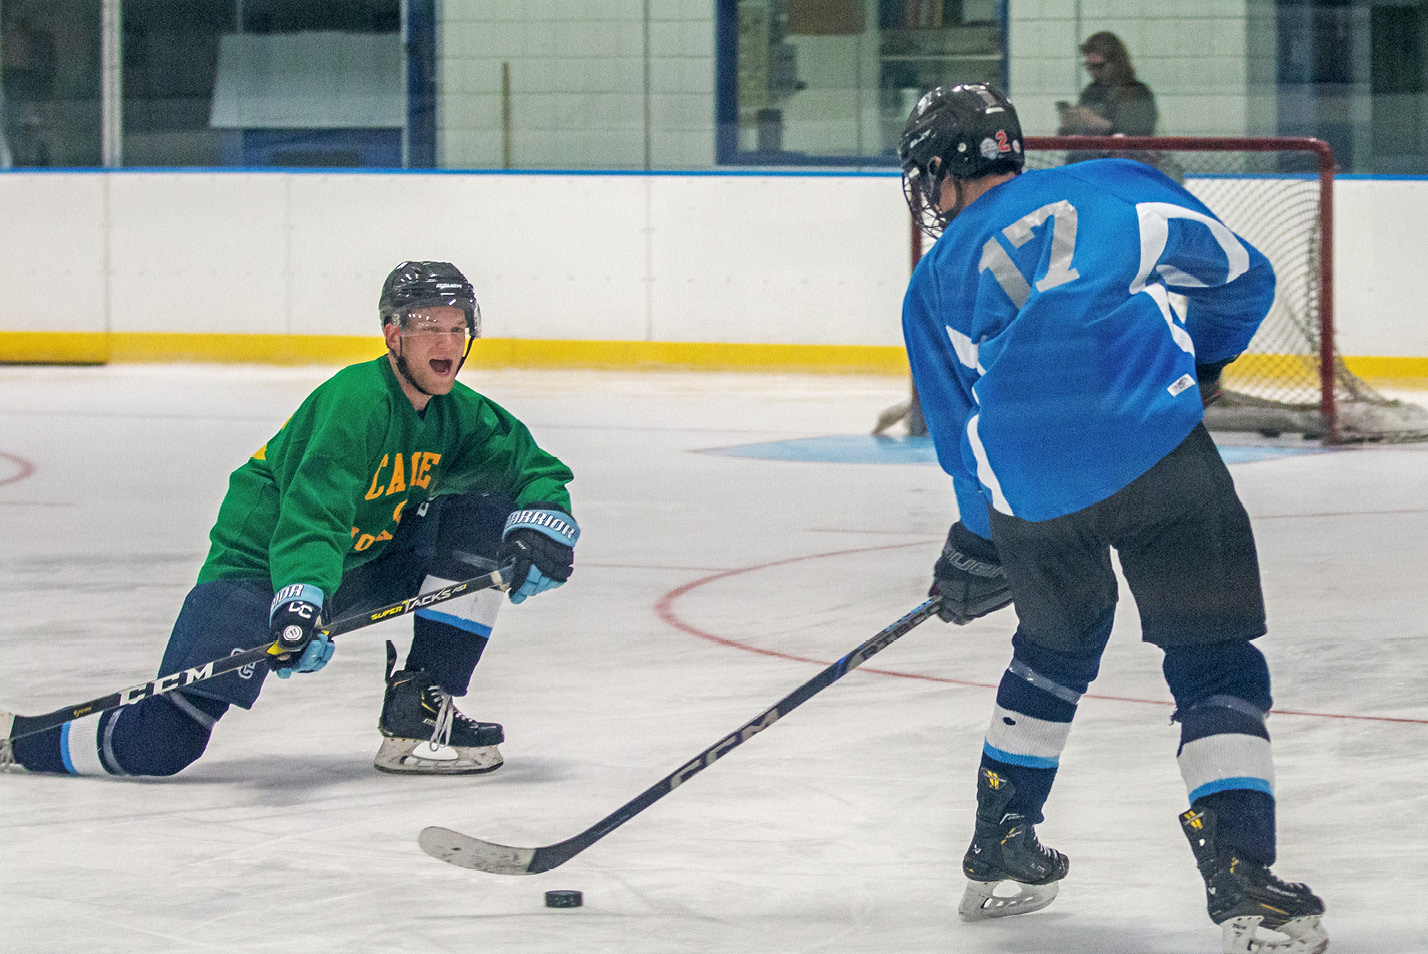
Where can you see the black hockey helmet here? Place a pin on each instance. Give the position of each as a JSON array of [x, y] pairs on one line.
[[413, 285], [965, 132]]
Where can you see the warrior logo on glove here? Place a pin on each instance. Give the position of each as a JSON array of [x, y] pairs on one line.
[[539, 546]]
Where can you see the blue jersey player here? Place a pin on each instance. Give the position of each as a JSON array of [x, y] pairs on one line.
[[1064, 395]]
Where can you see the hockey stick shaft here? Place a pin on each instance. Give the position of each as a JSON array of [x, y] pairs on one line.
[[22, 725], [467, 852]]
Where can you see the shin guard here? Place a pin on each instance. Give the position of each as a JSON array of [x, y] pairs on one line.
[[448, 642], [1225, 757], [1036, 703]]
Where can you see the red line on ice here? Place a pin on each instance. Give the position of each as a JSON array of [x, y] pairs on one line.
[[664, 609], [25, 469]]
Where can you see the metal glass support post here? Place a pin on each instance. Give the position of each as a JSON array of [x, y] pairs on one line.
[[111, 84]]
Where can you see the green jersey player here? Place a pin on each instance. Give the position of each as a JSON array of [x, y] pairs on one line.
[[390, 479]]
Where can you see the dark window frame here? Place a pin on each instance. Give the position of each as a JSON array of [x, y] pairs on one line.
[[726, 101]]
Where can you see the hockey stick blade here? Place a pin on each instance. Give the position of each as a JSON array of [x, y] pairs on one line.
[[464, 851], [18, 726]]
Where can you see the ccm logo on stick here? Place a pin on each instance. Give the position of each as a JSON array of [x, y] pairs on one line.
[[165, 683], [723, 746]]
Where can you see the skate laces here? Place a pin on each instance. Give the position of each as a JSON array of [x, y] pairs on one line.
[[445, 717]]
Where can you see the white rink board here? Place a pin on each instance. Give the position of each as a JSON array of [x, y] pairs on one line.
[[758, 258], [53, 252], [538, 272]]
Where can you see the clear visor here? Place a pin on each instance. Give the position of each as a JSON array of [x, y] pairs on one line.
[[451, 321]]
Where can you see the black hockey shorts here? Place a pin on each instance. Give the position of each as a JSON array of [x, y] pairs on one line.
[[439, 538], [224, 616], [1185, 547]]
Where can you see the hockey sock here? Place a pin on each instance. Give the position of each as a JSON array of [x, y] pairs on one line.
[[448, 641], [1222, 696], [159, 736], [1036, 702]]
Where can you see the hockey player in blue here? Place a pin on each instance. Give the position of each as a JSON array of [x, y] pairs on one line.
[[1064, 395]]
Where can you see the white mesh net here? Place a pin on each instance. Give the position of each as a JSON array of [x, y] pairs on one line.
[[1269, 192]]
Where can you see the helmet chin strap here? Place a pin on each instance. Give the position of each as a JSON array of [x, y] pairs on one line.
[[407, 373]]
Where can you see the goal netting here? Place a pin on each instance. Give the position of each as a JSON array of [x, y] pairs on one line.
[[1278, 194]]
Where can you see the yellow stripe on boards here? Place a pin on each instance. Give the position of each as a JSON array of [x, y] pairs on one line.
[[531, 353], [143, 347], [1406, 372], [54, 347], [1302, 371], [36, 347]]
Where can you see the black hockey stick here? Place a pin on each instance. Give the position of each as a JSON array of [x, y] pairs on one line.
[[467, 852], [18, 726]]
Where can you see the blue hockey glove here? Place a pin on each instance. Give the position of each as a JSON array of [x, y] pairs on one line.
[[539, 543], [969, 577], [294, 621]]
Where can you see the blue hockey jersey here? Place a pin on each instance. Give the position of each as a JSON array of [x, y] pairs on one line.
[[1051, 366]]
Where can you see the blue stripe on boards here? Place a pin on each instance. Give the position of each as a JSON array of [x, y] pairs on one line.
[[852, 173]]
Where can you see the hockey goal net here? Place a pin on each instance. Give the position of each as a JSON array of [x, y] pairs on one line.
[[1278, 194]]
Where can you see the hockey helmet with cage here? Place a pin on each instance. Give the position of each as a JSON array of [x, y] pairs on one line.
[[415, 285], [964, 132]]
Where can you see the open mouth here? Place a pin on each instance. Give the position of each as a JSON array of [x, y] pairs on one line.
[[441, 366]]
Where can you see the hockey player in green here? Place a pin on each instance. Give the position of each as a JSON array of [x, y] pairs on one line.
[[389, 480]]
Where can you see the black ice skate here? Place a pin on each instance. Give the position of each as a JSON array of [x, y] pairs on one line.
[[424, 734], [1008, 870], [1258, 913]]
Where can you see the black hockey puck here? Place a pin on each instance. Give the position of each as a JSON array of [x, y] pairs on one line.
[[563, 899]]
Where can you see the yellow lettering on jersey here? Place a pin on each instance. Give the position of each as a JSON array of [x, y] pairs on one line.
[[422, 477], [375, 491], [399, 477], [262, 453], [384, 535], [355, 531], [397, 514], [363, 542]]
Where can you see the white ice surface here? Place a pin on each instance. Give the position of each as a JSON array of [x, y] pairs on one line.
[[838, 830]]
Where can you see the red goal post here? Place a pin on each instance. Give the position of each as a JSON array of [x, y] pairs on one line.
[[1277, 192]]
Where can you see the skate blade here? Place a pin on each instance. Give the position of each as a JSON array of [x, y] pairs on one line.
[[1001, 899], [1247, 935], [410, 757]]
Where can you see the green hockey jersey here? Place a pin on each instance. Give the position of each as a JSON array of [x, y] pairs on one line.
[[326, 493]]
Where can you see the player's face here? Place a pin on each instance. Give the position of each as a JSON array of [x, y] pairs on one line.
[[432, 340]]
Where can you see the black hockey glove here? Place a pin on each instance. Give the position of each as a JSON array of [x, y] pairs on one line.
[[539, 544], [969, 577], [294, 620], [1208, 377]]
